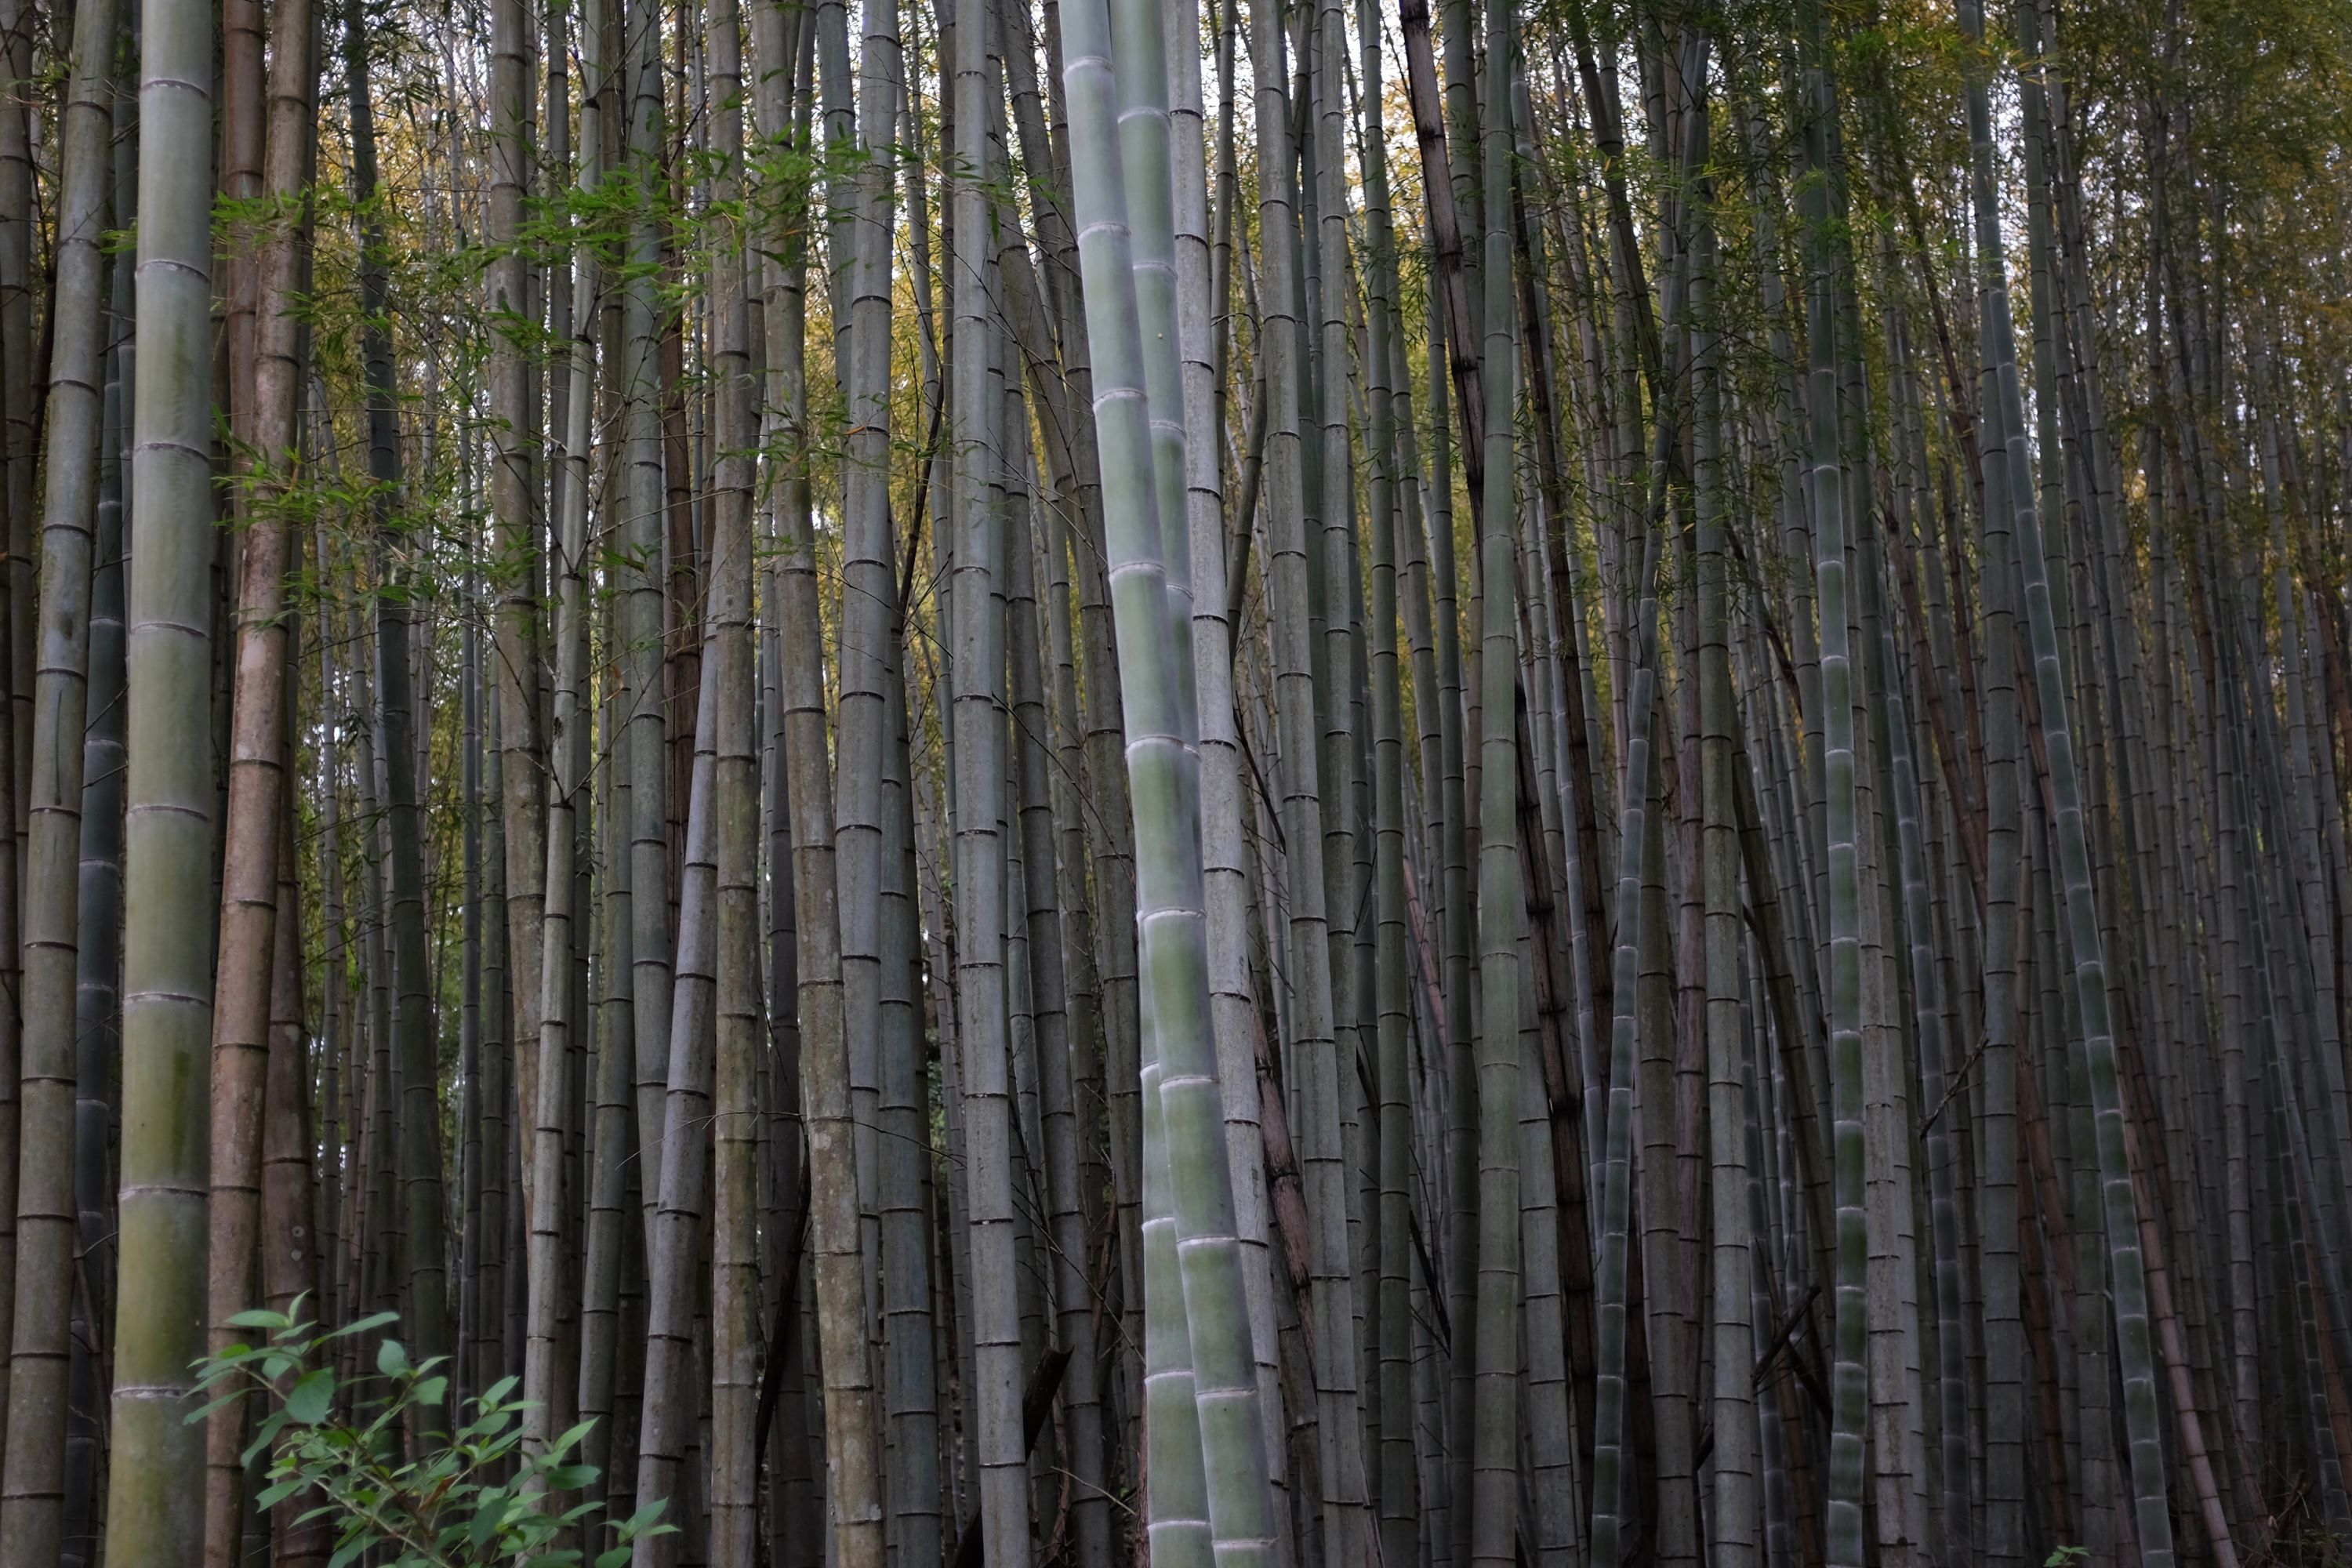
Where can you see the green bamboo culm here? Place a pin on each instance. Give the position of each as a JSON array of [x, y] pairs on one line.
[[870, 595], [1849, 1379], [643, 738], [1611, 1492], [1733, 1510], [416, 1254], [1502, 902], [1179, 1052], [31, 1501], [2126, 1267], [1181, 1528], [1999, 1231], [1176, 1515], [976, 807], [543, 1151], [1610, 1280], [154, 1507], [1928, 1022], [1395, 1472], [2127, 1274]]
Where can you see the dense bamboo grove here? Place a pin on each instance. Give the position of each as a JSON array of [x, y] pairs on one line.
[[1068, 783]]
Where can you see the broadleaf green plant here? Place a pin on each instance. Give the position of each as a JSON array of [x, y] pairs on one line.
[[469, 1500]]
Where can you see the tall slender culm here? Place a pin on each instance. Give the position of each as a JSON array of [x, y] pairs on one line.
[[155, 1482], [32, 1497]]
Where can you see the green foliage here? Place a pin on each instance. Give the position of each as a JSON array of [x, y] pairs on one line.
[[471, 1500], [2066, 1556]]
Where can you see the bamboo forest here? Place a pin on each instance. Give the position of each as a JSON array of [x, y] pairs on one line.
[[1141, 783]]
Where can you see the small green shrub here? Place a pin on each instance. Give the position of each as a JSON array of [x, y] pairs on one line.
[[469, 1500]]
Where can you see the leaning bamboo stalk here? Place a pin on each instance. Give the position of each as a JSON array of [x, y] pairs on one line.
[[1127, 284], [548, 1278], [781, 64], [1288, 578], [671, 1401], [1611, 1431], [1204, 342], [1460, 330], [2127, 1261], [851, 1434], [1081, 1408], [910, 1372], [1334, 1156], [1455, 920], [1929, 1025], [1613, 1426], [98, 981], [1110, 836]]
